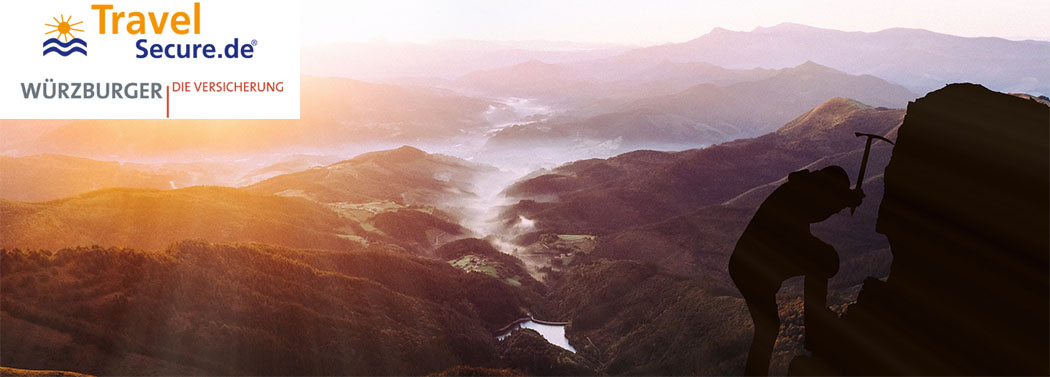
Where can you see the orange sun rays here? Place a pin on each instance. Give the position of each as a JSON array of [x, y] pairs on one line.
[[64, 28]]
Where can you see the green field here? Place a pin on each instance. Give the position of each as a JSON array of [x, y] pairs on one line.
[[483, 266], [575, 237], [487, 267]]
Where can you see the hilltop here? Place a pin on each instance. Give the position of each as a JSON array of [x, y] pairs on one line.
[[405, 175], [47, 177]]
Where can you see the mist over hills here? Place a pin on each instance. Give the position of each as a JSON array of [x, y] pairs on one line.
[[386, 61], [406, 194], [599, 196], [335, 111], [589, 89], [403, 198], [405, 175], [707, 114]]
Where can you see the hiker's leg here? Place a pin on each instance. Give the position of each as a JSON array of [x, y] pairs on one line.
[[816, 294], [767, 324], [815, 310]]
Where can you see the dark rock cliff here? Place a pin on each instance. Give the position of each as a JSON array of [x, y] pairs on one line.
[[966, 215]]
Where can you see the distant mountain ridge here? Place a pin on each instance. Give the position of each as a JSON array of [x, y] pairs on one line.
[[708, 114], [583, 88], [919, 59], [47, 177]]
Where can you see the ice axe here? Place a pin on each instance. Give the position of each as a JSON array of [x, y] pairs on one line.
[[864, 160]]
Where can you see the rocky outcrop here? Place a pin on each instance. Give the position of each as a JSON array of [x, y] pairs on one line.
[[965, 211]]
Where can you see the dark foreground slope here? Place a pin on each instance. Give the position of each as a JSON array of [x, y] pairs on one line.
[[527, 350], [200, 308], [15, 372], [966, 215], [635, 319]]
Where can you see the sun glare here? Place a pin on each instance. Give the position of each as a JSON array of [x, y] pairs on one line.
[[64, 28]]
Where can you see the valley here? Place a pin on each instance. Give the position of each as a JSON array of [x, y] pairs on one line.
[[483, 208], [605, 274]]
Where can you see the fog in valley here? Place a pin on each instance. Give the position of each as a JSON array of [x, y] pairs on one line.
[[433, 195]]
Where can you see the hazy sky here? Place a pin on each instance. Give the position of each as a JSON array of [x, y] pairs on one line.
[[654, 21]]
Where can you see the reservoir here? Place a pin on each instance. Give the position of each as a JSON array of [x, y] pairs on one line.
[[555, 334]]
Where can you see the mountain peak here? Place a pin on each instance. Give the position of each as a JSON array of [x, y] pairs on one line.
[[839, 104], [829, 114], [811, 66], [785, 26], [720, 30], [403, 154]]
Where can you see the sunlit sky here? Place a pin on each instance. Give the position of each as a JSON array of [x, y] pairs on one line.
[[653, 21]]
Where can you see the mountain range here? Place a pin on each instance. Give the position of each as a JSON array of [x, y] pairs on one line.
[[918, 59], [318, 247], [708, 114]]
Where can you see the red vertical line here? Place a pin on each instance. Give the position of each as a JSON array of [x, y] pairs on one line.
[[167, 101]]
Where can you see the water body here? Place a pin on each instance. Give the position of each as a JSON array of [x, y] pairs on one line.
[[555, 334]]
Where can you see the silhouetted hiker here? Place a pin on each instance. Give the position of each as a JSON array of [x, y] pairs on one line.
[[777, 245], [966, 212]]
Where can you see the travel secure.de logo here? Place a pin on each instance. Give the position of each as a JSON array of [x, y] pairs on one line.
[[230, 59]]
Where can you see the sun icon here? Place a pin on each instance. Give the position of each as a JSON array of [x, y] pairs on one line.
[[64, 28]]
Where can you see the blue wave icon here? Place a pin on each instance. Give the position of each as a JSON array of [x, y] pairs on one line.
[[65, 49]]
